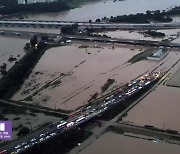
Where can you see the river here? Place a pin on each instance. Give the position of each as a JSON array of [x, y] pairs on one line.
[[99, 9]]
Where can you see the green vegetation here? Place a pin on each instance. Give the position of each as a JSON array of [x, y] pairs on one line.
[[157, 15], [12, 7], [34, 8], [93, 97], [142, 18], [149, 16], [11, 82], [155, 33], [107, 84], [8, 2], [60, 144], [73, 29], [141, 56], [23, 131]]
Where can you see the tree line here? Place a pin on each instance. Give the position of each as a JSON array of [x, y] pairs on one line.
[[160, 16], [33, 8]]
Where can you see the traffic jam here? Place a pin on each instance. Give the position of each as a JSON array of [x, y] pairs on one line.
[[89, 112]]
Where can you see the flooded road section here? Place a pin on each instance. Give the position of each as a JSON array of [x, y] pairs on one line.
[[129, 35], [111, 142], [140, 35], [67, 77], [11, 46]]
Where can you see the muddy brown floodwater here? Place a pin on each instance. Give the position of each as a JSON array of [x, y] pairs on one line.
[[160, 109], [107, 8], [111, 142], [86, 71], [11, 46]]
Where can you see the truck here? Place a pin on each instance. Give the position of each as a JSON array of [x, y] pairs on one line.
[[61, 125], [70, 124], [80, 119]]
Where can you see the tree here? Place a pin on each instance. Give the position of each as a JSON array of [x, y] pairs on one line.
[[97, 20], [23, 131], [34, 41]]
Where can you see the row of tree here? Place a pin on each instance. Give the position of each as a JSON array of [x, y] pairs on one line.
[[12, 81], [34, 8], [8, 2], [142, 18], [161, 16]]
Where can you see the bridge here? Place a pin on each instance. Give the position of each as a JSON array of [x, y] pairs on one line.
[[108, 25], [88, 113], [28, 34]]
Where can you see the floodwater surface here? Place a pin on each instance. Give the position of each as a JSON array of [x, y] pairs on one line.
[[116, 144], [85, 71], [159, 109], [107, 8]]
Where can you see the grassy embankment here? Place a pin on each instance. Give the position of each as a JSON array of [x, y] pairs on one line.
[[141, 56]]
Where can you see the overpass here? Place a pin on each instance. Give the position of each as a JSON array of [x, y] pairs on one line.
[[107, 25], [29, 34]]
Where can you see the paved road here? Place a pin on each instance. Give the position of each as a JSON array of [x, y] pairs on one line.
[[88, 25], [28, 34], [86, 114]]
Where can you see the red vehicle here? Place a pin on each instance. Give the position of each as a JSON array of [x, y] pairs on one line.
[[3, 152]]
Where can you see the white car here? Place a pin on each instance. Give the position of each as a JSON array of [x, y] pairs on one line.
[[18, 150], [18, 146], [41, 139], [52, 134], [34, 143], [69, 41], [41, 135], [27, 146], [24, 143], [32, 140], [48, 137]]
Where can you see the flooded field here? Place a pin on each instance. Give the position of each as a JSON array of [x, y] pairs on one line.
[[107, 8], [175, 80], [31, 120], [67, 77], [129, 35], [128, 145], [11, 46], [124, 34], [158, 109], [28, 119]]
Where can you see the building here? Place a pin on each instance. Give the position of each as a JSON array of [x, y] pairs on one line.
[[34, 1], [158, 54]]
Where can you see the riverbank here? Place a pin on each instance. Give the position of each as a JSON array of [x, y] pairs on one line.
[[22, 11], [34, 8], [14, 78], [148, 17]]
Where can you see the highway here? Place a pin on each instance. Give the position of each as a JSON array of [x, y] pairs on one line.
[[27, 34], [51, 24], [83, 115]]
